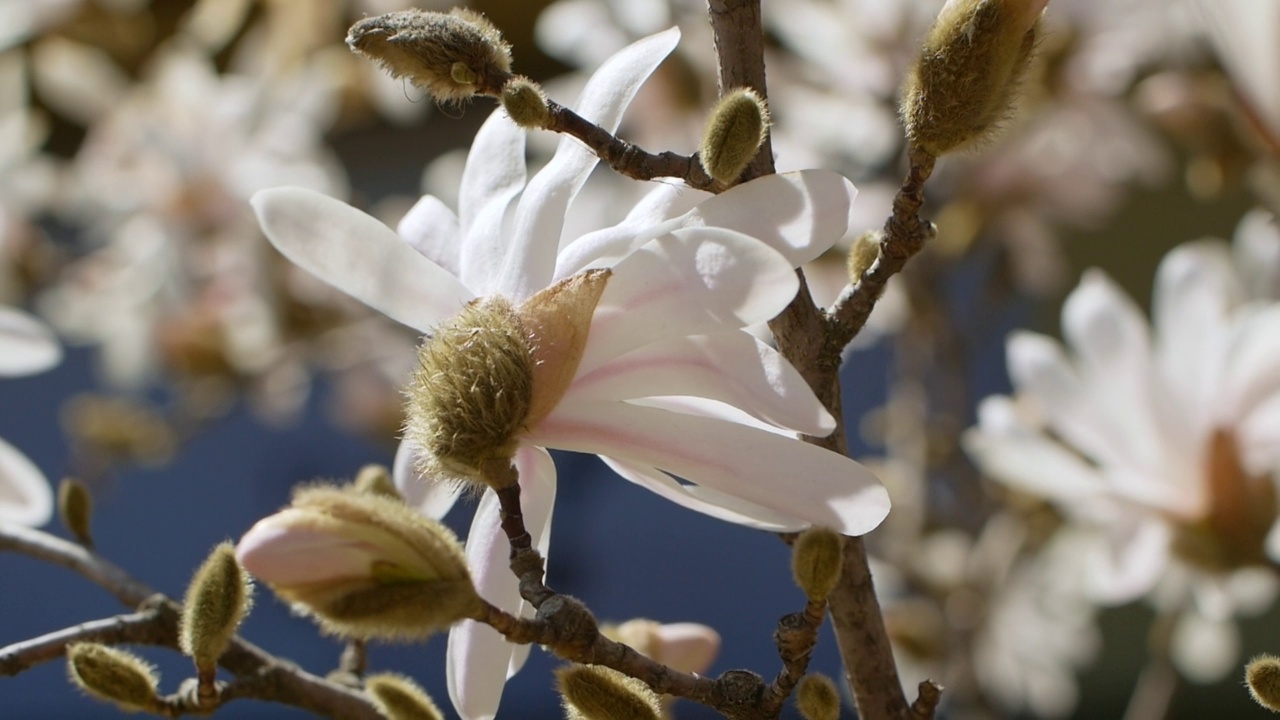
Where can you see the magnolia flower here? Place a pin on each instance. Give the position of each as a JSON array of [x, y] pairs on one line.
[[1167, 442], [660, 380], [27, 347]]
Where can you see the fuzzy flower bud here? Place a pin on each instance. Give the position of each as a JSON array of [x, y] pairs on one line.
[[75, 508], [595, 692], [687, 647], [815, 562], [863, 254], [217, 599], [967, 77], [526, 103], [451, 56], [399, 698], [363, 565], [376, 480], [817, 698], [113, 675], [1262, 675], [736, 130], [493, 370]]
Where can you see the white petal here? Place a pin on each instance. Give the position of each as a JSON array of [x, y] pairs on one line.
[[530, 262], [431, 228], [1256, 246], [1018, 456], [647, 220], [25, 496], [1129, 562], [1196, 287], [703, 500], [494, 175], [429, 496], [1204, 650], [358, 255], [690, 282], [480, 660], [1253, 366], [1258, 437], [799, 214], [27, 346], [784, 474], [732, 367]]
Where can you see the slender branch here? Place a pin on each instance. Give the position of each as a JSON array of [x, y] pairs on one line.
[[904, 235], [139, 628], [795, 637], [1158, 682], [273, 679]]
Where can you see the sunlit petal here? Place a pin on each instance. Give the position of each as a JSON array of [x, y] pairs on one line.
[[27, 346]]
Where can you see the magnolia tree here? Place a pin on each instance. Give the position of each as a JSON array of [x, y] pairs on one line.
[[693, 346]]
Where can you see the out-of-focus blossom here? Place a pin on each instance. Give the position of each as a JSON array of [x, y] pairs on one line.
[[1246, 36], [27, 178], [1165, 441], [27, 347], [640, 352]]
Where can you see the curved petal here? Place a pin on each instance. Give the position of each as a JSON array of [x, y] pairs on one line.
[[703, 500], [27, 346], [650, 218], [479, 660], [732, 367], [1205, 649], [431, 228], [358, 255], [690, 282], [1130, 561], [783, 474], [530, 261], [1253, 366], [494, 175], [1196, 288], [25, 495], [1256, 247], [429, 496]]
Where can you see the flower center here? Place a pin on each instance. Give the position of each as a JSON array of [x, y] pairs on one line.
[[1242, 508]]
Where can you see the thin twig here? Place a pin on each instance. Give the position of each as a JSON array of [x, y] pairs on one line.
[[139, 628], [795, 637]]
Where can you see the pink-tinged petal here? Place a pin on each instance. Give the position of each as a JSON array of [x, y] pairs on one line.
[[1130, 561], [27, 346], [732, 367], [1252, 374], [431, 228], [288, 549], [429, 496], [1040, 369], [530, 261], [358, 255], [693, 281], [647, 220], [696, 498], [783, 474], [1009, 452], [1112, 341], [479, 660], [1196, 288], [493, 177], [1256, 247], [25, 495]]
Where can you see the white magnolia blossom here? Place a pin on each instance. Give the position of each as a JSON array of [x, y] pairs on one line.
[[27, 347], [667, 382], [1164, 440]]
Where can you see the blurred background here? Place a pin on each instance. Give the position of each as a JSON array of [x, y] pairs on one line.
[[204, 375]]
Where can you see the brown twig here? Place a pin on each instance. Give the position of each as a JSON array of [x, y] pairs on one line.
[[139, 628], [259, 674], [795, 637]]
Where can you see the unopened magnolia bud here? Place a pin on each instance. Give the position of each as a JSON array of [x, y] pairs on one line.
[[1262, 675], [526, 103], [967, 77], [363, 565], [817, 698], [595, 692], [399, 698], [494, 370], [217, 599], [451, 56], [687, 647], [113, 675], [815, 561], [376, 480], [863, 253], [736, 130], [75, 508]]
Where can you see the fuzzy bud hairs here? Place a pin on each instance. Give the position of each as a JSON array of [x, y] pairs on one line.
[[735, 132]]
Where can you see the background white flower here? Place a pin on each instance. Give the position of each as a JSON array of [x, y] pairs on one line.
[[27, 347]]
